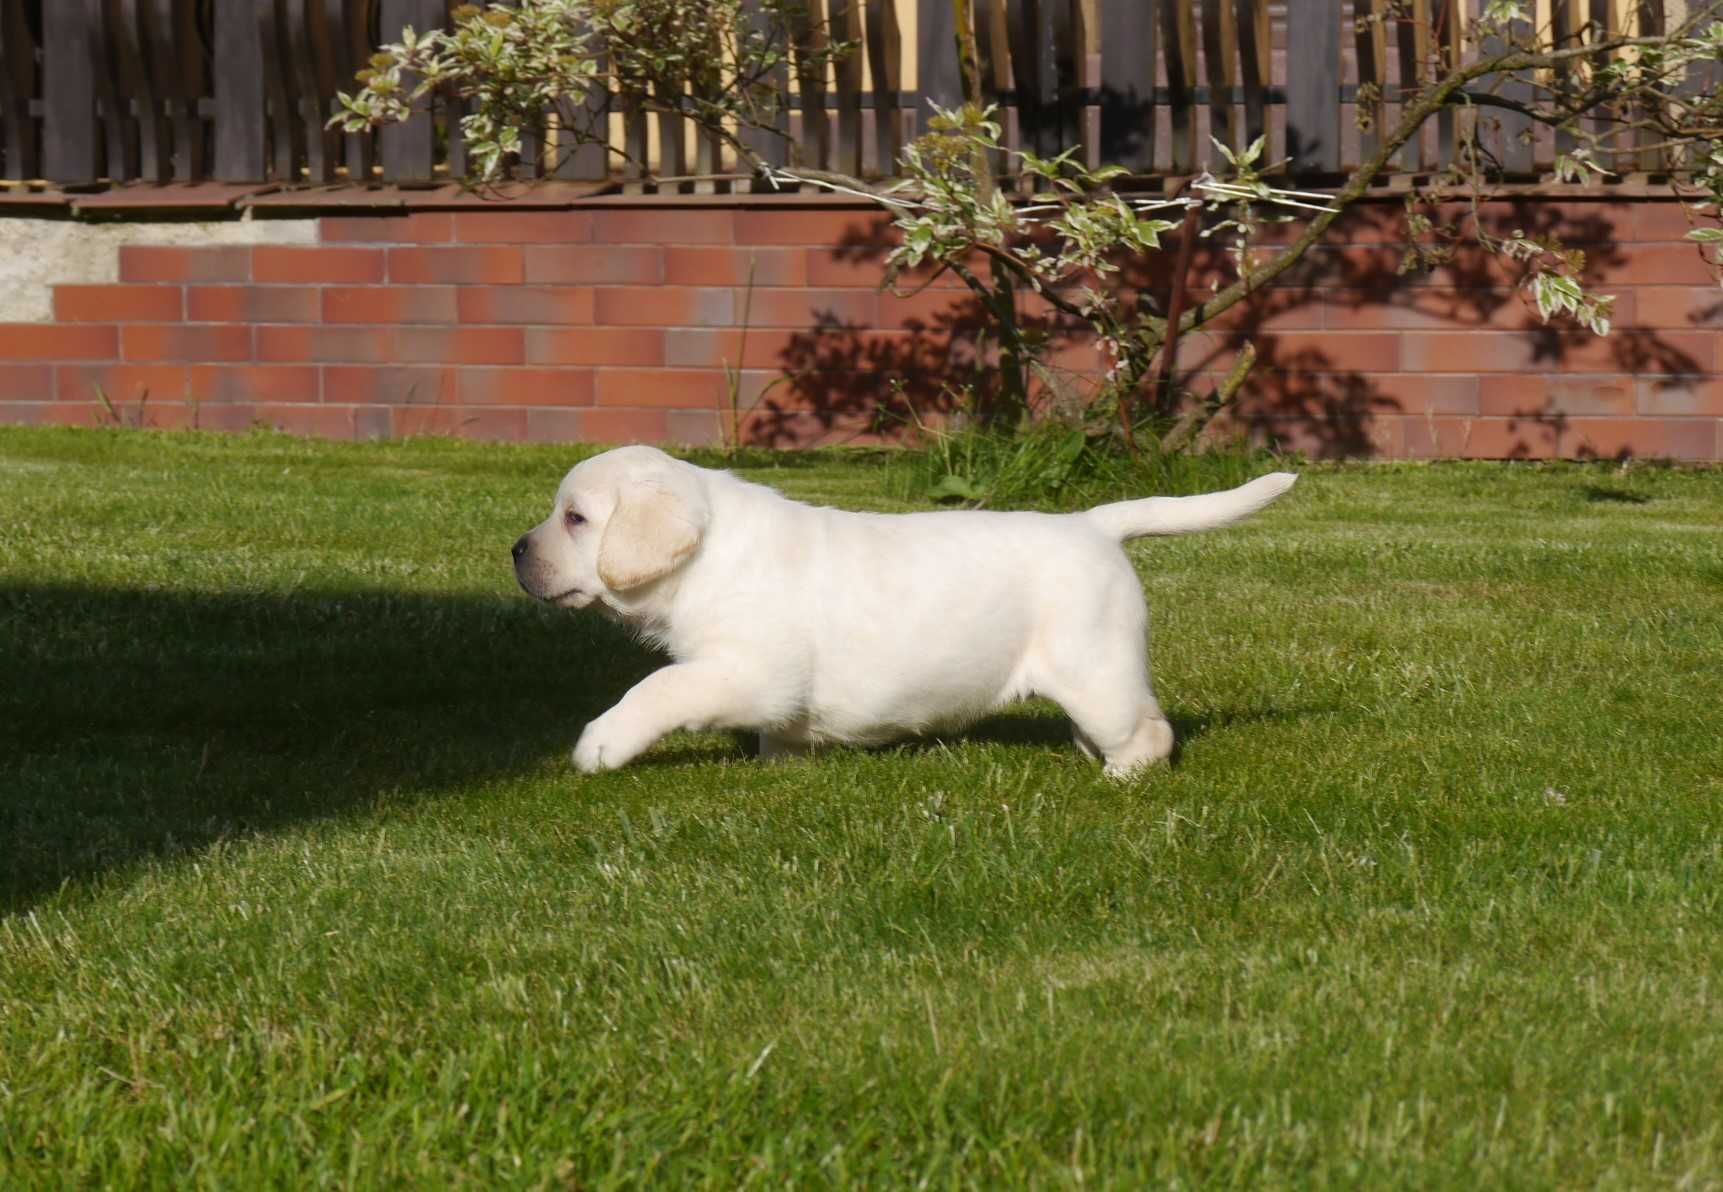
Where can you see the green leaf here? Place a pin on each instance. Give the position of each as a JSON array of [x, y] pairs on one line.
[[956, 488], [1706, 235]]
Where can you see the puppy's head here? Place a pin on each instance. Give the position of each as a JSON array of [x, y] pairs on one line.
[[621, 521]]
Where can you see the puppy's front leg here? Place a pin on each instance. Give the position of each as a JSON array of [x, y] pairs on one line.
[[692, 695]]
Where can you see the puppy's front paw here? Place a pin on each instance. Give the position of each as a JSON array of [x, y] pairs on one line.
[[596, 750]]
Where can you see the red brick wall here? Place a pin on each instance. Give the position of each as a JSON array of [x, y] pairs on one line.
[[615, 323]]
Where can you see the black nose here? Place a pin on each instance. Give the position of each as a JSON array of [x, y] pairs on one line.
[[519, 547]]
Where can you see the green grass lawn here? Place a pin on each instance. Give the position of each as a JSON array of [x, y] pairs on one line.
[[297, 885]]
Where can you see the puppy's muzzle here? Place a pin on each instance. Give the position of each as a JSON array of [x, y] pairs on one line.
[[527, 571]]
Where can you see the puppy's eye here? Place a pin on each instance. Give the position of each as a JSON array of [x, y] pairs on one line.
[[573, 519]]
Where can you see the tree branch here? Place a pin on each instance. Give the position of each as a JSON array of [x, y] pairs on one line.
[[1411, 120]]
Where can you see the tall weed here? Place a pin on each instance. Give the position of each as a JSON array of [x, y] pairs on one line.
[[1057, 465]]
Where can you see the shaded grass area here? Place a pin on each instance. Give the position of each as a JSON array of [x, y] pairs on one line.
[[299, 886]]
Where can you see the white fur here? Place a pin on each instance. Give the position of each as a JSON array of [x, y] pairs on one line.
[[816, 625]]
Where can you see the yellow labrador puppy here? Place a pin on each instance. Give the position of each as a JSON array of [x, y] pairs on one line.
[[817, 625]]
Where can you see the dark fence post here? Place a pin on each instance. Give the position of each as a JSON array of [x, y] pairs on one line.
[[408, 149], [1220, 50], [769, 145], [1035, 59], [350, 24], [580, 155], [1313, 86], [1503, 134], [179, 52], [18, 140], [1127, 83], [808, 37], [1180, 58], [885, 64], [69, 91], [1256, 68], [938, 76], [846, 25]]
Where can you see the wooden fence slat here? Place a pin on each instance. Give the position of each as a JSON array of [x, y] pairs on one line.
[[1569, 18], [1700, 78], [885, 66], [1414, 51], [1220, 42], [114, 99], [809, 23], [350, 23], [1313, 86], [846, 26], [18, 141], [938, 77], [1019, 32], [1085, 80], [579, 154], [1256, 69], [408, 149], [286, 134], [138, 106], [69, 135], [449, 112], [1370, 45], [530, 162], [708, 145], [993, 44], [306, 39], [1066, 76], [1035, 66], [1643, 18], [241, 144], [708, 159], [672, 134], [770, 145], [1128, 83], [451, 108], [634, 141], [177, 61], [1448, 29], [1180, 56], [1502, 134]]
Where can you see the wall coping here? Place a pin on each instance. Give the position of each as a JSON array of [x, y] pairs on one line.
[[216, 200]]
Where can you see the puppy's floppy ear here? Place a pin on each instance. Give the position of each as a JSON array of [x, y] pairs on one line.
[[656, 525]]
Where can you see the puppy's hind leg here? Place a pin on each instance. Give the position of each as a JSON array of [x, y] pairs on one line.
[[1084, 746], [1150, 741], [1116, 719], [1113, 711], [1096, 667]]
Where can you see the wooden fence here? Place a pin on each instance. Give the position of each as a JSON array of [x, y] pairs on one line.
[[113, 91]]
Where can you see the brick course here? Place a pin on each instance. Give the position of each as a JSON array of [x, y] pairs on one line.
[[617, 323]]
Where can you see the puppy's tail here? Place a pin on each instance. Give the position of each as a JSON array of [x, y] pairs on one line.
[[1157, 516]]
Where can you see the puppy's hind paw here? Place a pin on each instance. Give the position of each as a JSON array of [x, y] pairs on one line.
[[1150, 745]]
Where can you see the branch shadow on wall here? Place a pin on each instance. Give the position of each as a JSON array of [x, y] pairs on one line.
[[840, 380]]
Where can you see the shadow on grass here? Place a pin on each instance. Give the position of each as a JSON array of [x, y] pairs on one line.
[[1598, 494], [1039, 723], [141, 723]]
